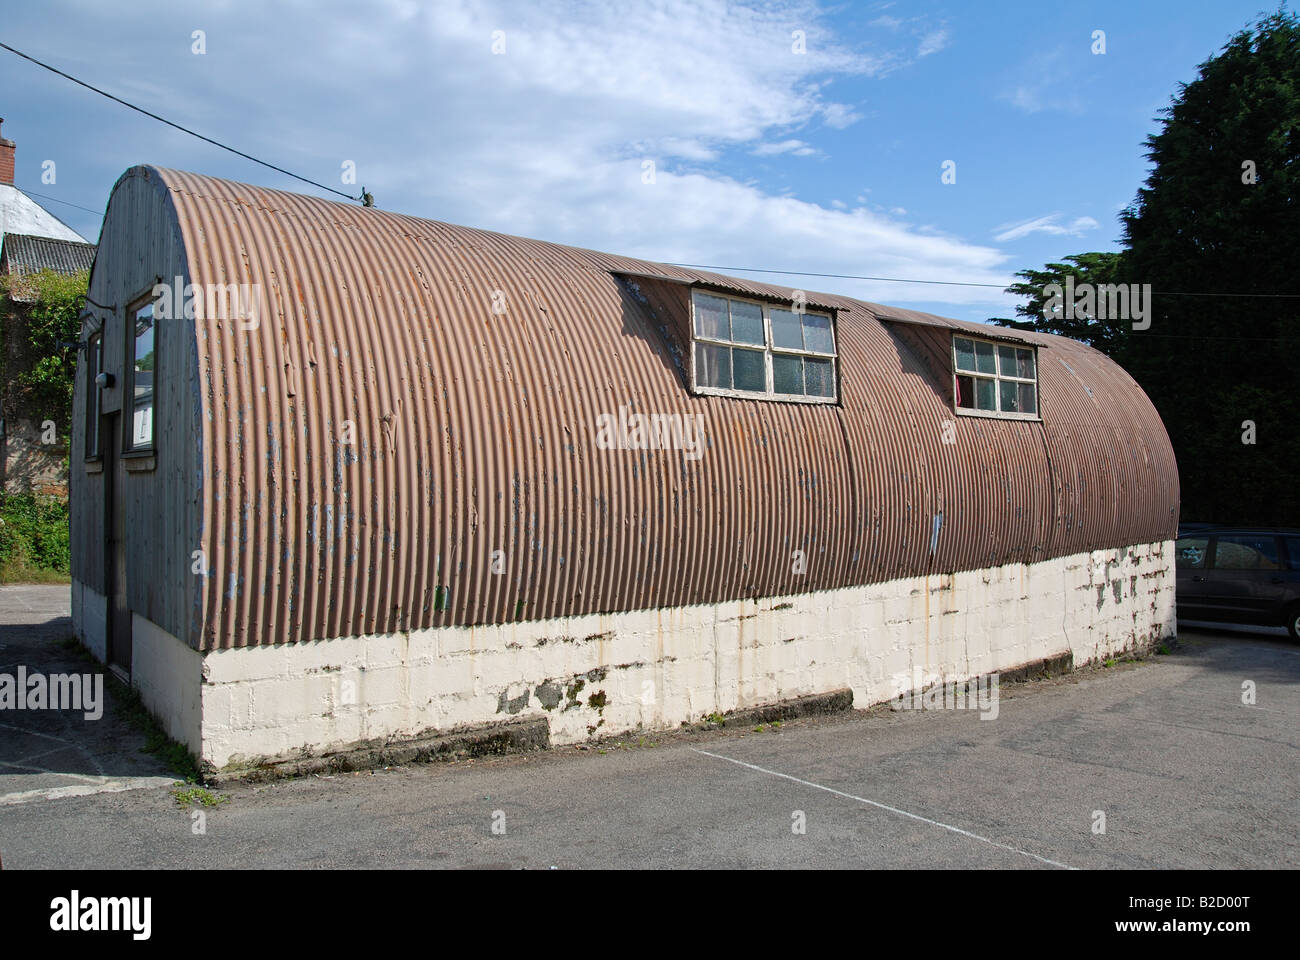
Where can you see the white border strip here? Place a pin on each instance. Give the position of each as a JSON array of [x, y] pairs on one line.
[[873, 803], [85, 789]]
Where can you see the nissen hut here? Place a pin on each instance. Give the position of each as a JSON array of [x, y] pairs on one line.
[[342, 476]]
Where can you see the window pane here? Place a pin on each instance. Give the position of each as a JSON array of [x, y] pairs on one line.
[[984, 359], [966, 390], [1190, 552], [1025, 364], [819, 375], [786, 330], [1007, 389], [1007, 361], [142, 379], [817, 333], [744, 366], [1028, 400], [787, 374], [1293, 552], [711, 317], [712, 366], [94, 367], [965, 354], [747, 323], [1246, 553], [985, 395], [748, 370]]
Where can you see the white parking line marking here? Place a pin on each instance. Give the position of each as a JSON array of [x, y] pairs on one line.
[[882, 806], [85, 789]]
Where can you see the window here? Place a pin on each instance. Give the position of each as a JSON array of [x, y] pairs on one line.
[[1293, 552], [1191, 553], [995, 379], [742, 346], [1246, 553], [94, 364], [142, 378]]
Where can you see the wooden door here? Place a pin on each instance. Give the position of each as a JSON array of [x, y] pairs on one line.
[[119, 613]]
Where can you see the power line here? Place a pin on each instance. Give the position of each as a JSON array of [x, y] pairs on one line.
[[835, 276], [951, 283], [365, 198], [1209, 336], [69, 203], [192, 133]]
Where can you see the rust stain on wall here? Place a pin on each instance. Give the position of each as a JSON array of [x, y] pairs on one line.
[[472, 366]]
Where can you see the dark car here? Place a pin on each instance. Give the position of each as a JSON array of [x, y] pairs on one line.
[[1240, 575]]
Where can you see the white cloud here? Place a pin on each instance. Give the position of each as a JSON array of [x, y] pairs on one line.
[[1048, 80], [687, 149], [1025, 98], [933, 42], [929, 39], [1077, 227], [795, 147], [546, 139]]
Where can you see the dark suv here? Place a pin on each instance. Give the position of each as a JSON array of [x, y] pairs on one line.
[[1240, 575]]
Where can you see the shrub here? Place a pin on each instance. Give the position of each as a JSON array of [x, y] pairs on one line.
[[51, 321], [33, 536]]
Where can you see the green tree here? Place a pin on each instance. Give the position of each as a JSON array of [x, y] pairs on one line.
[[47, 307], [1108, 336], [1220, 213]]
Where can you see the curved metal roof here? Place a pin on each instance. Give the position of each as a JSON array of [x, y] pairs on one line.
[[475, 433]]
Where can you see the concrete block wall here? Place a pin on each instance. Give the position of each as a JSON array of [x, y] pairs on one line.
[[650, 669], [90, 619], [610, 673], [168, 675]]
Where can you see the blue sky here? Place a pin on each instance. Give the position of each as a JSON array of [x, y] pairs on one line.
[[829, 160]]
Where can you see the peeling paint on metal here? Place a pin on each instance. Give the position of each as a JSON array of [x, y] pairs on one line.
[[475, 432]]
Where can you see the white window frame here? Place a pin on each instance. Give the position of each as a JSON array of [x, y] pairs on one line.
[[129, 445], [94, 398], [998, 379], [768, 349]]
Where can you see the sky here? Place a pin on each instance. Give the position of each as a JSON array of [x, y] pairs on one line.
[[795, 136]]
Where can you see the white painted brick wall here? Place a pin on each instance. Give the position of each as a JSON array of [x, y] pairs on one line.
[[90, 619], [168, 675], [268, 702]]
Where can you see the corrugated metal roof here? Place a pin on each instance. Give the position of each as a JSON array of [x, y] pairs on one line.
[[475, 433], [719, 283], [987, 331], [23, 254]]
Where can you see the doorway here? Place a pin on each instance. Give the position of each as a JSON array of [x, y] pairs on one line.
[[119, 614]]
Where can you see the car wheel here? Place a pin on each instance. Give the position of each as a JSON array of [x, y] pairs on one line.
[[1293, 622]]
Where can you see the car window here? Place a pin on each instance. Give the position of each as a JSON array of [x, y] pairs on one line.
[[1191, 552], [1246, 553], [1293, 552]]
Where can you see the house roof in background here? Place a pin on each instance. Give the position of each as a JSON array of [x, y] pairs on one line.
[[19, 213], [22, 254]]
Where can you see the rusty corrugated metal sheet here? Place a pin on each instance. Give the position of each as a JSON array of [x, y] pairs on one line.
[[475, 432], [718, 282]]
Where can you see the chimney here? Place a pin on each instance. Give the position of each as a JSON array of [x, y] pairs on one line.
[[6, 159]]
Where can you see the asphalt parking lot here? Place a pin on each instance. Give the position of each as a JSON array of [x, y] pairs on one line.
[[48, 754], [1185, 773]]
